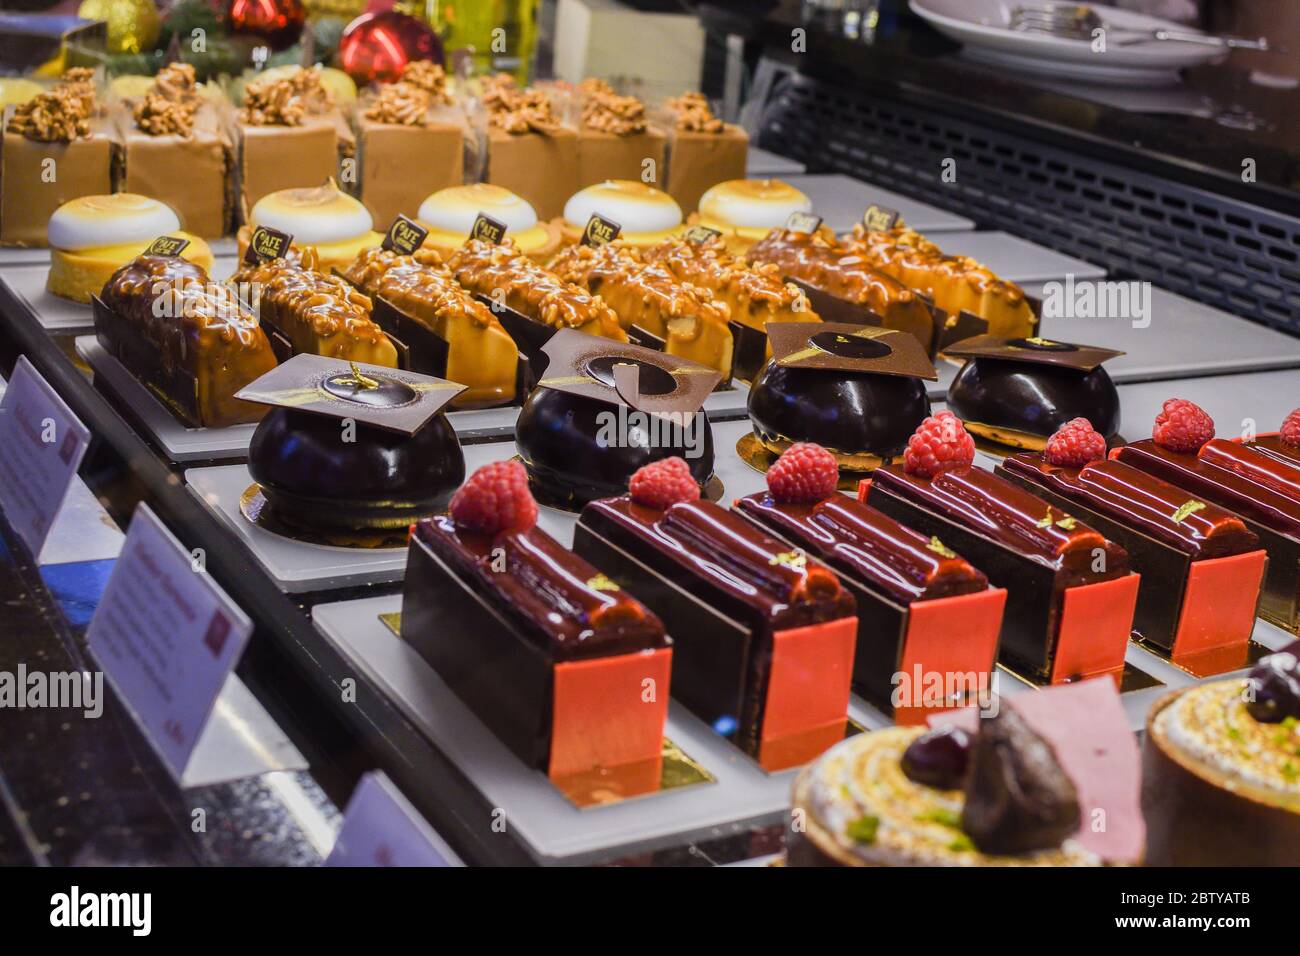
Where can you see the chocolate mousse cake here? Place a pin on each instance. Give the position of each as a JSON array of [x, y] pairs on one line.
[[848, 286], [763, 634], [604, 409], [858, 391], [1070, 591], [1283, 445], [1221, 770], [923, 610], [1262, 489], [548, 651], [1018, 391], [353, 448], [195, 351], [476, 351], [1201, 566]]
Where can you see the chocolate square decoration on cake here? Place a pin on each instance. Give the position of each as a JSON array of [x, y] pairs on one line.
[[1085, 358], [622, 374], [846, 347], [387, 398]]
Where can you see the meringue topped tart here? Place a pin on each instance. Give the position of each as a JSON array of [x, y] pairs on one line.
[[745, 210], [336, 225], [93, 236], [646, 215], [449, 215]]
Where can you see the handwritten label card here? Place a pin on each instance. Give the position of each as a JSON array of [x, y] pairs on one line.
[[381, 828], [41, 447], [167, 637]]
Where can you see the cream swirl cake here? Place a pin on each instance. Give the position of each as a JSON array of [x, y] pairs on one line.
[[336, 225], [449, 214], [646, 215]]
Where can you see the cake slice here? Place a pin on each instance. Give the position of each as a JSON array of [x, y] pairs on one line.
[[1070, 592], [765, 652], [1263, 489], [566, 668], [925, 615], [1201, 566]]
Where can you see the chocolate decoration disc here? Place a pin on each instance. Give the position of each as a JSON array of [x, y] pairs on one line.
[[257, 510], [757, 456]]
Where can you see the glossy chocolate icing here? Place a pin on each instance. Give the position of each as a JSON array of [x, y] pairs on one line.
[[1033, 397], [1000, 510], [312, 477], [850, 413], [1139, 500], [867, 546], [558, 437], [553, 597], [1275, 447], [750, 575], [1230, 475]]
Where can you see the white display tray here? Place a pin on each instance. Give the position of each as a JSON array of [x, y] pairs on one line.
[[841, 201]]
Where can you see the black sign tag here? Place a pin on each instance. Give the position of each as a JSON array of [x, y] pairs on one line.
[[600, 231], [167, 246], [487, 229], [803, 222], [267, 244], [701, 234], [880, 218], [404, 236]]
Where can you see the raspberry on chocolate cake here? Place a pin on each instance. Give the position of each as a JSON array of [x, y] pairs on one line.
[[1258, 483], [914, 595], [548, 651], [1201, 566], [1285, 445], [763, 633], [1070, 593]]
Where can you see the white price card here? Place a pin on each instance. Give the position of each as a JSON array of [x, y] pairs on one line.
[[167, 637], [381, 828], [41, 446]]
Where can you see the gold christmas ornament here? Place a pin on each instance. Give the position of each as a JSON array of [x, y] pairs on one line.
[[133, 25]]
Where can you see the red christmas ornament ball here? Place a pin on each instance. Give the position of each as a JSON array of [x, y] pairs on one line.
[[376, 46], [277, 23]]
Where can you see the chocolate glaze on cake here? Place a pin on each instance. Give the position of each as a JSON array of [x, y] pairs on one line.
[[1140, 501], [381, 479], [745, 586], [867, 546], [1017, 399], [863, 418]]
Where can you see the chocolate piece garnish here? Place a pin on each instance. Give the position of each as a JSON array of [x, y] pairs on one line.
[[1273, 687], [938, 758], [1038, 350], [1018, 798]]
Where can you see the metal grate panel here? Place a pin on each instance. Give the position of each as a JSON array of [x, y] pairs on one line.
[[1229, 254]]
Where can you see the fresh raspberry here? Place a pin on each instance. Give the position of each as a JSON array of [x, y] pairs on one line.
[[941, 443], [1290, 430], [494, 499], [804, 474], [1075, 444], [664, 482], [1182, 426]]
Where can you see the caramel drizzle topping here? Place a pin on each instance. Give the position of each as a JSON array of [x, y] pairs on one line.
[[908, 250]]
